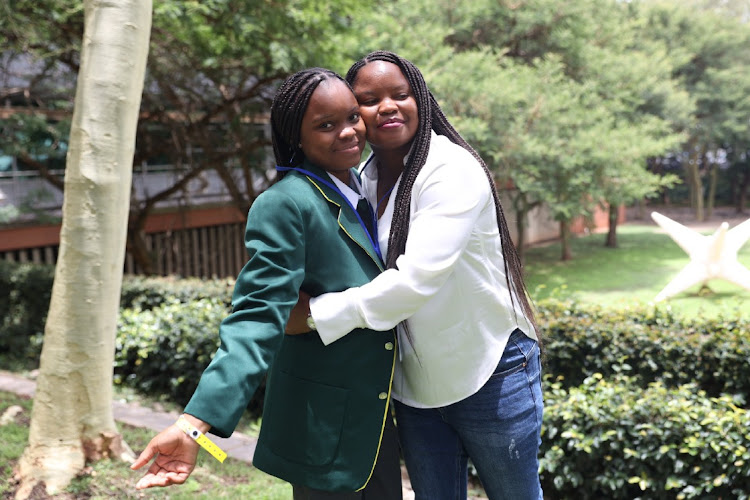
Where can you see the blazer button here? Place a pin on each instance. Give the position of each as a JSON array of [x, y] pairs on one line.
[[382, 395], [389, 346]]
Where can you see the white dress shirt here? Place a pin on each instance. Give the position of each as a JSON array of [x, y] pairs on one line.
[[450, 284], [351, 191]]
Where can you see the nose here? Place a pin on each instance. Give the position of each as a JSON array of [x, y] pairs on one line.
[[347, 133], [387, 106]]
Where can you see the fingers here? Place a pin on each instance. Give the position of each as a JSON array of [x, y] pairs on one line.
[[144, 458], [161, 479], [175, 453]]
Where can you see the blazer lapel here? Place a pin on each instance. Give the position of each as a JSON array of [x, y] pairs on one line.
[[346, 217]]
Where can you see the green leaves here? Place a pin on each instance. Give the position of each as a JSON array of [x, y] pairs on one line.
[[620, 440]]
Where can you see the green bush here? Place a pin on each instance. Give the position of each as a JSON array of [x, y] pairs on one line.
[[617, 440], [648, 344], [25, 291], [147, 292], [163, 351]]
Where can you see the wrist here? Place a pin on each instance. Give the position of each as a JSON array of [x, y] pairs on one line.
[[199, 437], [196, 422], [310, 321]]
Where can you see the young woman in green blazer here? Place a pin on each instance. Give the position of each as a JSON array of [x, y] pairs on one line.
[[327, 426]]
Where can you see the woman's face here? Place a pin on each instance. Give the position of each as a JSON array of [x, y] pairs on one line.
[[387, 105], [332, 133]]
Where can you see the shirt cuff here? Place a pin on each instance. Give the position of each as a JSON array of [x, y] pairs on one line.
[[335, 314]]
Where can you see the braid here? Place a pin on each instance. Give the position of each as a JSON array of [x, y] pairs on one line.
[[418, 155], [288, 109], [436, 120]]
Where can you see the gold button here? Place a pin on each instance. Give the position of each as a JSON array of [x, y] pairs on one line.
[[389, 346], [383, 395]]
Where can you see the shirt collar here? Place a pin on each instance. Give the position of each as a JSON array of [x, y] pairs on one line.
[[371, 172], [350, 192]]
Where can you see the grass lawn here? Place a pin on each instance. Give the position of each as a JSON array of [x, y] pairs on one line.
[[108, 479], [633, 274]]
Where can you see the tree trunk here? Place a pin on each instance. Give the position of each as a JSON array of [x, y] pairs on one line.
[[713, 176], [521, 216], [742, 191], [696, 183], [521, 207], [72, 418], [612, 233], [565, 240]]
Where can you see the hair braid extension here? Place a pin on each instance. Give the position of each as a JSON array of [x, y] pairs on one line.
[[288, 109], [431, 117], [511, 260]]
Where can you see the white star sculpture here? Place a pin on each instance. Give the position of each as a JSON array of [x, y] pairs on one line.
[[713, 256]]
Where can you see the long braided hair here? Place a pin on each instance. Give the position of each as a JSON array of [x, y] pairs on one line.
[[435, 120], [288, 109]]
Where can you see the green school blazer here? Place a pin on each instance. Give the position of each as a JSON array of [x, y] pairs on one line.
[[325, 406]]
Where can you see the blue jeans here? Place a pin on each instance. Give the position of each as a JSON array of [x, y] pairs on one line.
[[498, 428]]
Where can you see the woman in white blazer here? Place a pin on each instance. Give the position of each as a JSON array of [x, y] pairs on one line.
[[467, 385]]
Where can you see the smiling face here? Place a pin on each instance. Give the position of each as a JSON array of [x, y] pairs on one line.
[[387, 105], [332, 133]]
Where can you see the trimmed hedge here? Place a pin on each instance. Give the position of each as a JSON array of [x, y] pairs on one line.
[[144, 293], [646, 343], [163, 351], [637, 403], [617, 440], [25, 291]]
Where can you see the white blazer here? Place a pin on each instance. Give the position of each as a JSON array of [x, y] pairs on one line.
[[450, 284]]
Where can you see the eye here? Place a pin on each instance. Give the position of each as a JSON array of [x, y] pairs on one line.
[[325, 126], [403, 96], [367, 102], [354, 117]]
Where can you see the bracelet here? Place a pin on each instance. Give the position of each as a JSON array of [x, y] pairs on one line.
[[201, 439]]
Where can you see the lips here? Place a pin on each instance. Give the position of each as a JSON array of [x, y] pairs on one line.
[[392, 123], [351, 148]]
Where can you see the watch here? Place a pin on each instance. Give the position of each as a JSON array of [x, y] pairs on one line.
[[310, 321]]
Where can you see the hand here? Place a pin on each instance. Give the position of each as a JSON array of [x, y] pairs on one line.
[[297, 322], [177, 454]]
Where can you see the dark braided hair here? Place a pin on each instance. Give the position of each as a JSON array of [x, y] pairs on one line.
[[437, 121], [288, 109]]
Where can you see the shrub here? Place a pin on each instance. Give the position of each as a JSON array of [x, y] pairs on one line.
[[164, 350], [646, 343], [616, 440], [25, 291], [147, 292]]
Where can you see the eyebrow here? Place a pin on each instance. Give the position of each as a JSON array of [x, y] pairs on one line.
[[328, 116], [394, 88]]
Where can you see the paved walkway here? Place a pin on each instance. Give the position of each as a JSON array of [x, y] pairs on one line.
[[238, 446]]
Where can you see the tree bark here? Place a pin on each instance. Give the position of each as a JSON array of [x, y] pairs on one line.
[[742, 191], [696, 183], [612, 233], [565, 253], [522, 208], [711, 199], [72, 419]]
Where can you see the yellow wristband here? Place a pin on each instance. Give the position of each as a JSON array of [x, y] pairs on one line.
[[201, 439]]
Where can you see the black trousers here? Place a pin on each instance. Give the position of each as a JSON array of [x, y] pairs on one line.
[[385, 483]]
